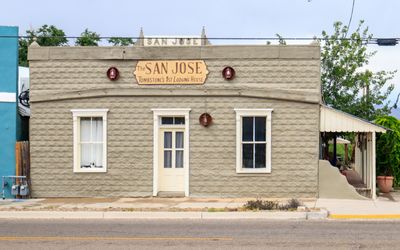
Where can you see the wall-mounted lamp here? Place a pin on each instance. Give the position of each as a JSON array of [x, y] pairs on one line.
[[113, 73], [228, 73], [205, 119]]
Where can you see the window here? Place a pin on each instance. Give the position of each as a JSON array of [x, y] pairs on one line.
[[173, 152], [253, 129], [172, 120], [90, 140]]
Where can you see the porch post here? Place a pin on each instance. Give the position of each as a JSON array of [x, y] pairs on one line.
[[373, 176], [334, 149]]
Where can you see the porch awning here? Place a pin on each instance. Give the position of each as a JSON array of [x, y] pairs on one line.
[[333, 120]]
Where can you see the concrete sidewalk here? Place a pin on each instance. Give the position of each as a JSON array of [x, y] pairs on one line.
[[133, 204], [270, 215], [122, 204], [154, 207], [384, 207], [147, 208]]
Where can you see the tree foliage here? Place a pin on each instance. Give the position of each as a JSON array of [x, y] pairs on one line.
[[121, 41], [23, 44], [88, 38], [346, 84], [388, 148], [47, 35]]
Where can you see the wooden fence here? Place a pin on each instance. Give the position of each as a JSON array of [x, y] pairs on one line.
[[22, 158]]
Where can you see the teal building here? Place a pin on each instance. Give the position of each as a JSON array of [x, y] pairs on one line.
[[9, 117]]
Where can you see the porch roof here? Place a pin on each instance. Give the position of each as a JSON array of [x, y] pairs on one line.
[[333, 120]]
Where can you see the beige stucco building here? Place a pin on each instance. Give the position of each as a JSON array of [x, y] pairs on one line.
[[138, 132]]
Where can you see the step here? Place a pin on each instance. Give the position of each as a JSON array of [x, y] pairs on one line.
[[165, 194]]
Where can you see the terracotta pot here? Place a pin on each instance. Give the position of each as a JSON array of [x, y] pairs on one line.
[[385, 183]]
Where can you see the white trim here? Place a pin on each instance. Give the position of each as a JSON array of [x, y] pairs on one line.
[[157, 113], [373, 152], [8, 97], [172, 112], [96, 112], [77, 113], [253, 112]]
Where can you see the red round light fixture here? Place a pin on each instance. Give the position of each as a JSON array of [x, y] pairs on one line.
[[228, 73], [113, 73], [205, 119]]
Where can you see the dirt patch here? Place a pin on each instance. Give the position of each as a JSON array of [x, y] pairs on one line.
[[79, 200], [150, 200]]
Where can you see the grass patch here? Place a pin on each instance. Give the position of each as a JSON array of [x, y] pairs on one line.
[[211, 209]]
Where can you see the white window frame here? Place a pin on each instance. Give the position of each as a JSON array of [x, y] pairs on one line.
[[240, 113], [77, 114]]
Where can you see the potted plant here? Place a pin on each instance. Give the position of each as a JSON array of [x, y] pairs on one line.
[[388, 154], [385, 183]]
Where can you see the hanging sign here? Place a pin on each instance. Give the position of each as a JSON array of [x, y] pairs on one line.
[[171, 72]]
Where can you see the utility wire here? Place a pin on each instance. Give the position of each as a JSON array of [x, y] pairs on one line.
[[351, 17], [390, 41], [204, 38]]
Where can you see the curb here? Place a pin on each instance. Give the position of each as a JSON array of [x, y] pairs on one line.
[[322, 214], [256, 215], [363, 216], [50, 215], [162, 215]]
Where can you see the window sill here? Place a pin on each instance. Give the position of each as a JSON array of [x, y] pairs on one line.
[[253, 171], [94, 170]]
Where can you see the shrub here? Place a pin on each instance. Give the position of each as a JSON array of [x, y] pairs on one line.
[[261, 205], [272, 205], [388, 148], [292, 204]]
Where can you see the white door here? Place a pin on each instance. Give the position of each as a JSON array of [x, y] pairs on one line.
[[171, 160]]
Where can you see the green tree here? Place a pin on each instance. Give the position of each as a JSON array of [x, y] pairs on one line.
[[388, 148], [88, 38], [47, 35], [23, 44], [346, 85], [121, 41]]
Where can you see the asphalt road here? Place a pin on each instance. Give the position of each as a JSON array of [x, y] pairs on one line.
[[198, 234]]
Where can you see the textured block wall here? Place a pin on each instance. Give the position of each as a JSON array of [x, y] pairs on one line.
[[56, 76], [212, 149]]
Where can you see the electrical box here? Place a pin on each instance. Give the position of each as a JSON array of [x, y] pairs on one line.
[[15, 189], [23, 190]]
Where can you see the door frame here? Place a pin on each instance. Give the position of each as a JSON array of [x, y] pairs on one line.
[[157, 114]]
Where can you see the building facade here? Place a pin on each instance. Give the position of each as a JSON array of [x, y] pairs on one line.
[[141, 121], [12, 126]]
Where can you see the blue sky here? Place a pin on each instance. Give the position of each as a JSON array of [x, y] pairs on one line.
[[222, 18]]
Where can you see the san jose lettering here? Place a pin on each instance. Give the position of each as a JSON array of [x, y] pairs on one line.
[[172, 41], [171, 72], [177, 68]]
